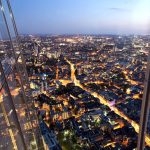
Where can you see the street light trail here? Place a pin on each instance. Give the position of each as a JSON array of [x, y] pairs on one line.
[[105, 102]]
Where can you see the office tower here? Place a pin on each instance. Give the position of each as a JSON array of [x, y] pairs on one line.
[[19, 128]]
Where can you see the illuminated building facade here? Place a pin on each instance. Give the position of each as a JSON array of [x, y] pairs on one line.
[[19, 127]]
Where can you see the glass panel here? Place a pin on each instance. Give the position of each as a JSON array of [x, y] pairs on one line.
[[29, 99], [6, 51], [20, 105], [5, 142], [8, 123], [17, 83], [92, 85], [11, 27]]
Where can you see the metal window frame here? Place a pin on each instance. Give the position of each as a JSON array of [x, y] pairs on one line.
[[144, 108]]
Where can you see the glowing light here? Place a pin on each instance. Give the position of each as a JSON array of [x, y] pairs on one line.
[[110, 144], [128, 91], [105, 102], [136, 96]]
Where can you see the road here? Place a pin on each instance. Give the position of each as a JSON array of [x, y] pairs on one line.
[[104, 101]]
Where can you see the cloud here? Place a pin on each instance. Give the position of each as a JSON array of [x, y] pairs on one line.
[[119, 9]]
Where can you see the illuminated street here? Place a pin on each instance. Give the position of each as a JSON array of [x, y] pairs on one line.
[[105, 102]]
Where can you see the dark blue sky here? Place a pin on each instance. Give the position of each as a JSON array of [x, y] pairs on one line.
[[81, 16]]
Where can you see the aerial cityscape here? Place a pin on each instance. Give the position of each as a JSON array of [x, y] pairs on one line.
[[74, 75], [88, 88]]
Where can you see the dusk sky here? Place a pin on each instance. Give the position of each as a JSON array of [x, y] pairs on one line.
[[82, 16]]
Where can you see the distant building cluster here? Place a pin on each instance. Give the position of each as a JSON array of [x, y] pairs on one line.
[[89, 88]]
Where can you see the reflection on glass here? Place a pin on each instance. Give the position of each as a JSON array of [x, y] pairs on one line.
[[12, 34], [16, 104], [8, 123]]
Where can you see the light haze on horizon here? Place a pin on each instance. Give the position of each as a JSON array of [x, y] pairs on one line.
[[82, 16]]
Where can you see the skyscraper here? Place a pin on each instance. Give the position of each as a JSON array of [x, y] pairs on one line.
[[19, 128]]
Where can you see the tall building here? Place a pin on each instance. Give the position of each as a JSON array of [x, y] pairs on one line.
[[19, 126]]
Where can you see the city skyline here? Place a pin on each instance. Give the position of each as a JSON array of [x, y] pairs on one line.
[[87, 88], [82, 17]]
